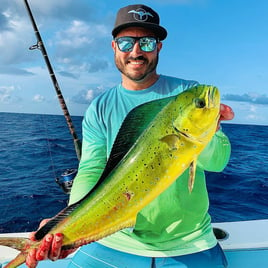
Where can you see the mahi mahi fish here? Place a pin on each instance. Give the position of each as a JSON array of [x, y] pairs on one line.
[[156, 143]]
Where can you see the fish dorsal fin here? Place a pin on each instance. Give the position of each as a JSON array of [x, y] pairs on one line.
[[136, 121], [40, 233]]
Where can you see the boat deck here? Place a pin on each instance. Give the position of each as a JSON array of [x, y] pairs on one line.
[[245, 245]]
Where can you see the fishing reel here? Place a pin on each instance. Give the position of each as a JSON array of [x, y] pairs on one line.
[[65, 181]]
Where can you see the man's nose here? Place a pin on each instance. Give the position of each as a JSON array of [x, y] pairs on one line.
[[136, 48]]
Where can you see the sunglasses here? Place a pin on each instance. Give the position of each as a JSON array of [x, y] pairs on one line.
[[146, 43]]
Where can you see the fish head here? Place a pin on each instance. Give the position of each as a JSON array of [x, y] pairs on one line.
[[198, 114]]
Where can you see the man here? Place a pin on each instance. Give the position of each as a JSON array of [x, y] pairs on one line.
[[174, 230]]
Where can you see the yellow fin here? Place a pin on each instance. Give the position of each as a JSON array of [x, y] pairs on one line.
[[192, 170], [171, 140], [20, 259]]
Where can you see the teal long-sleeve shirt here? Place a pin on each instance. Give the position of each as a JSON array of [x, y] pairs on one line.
[[176, 222]]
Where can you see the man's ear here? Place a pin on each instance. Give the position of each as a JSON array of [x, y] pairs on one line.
[[159, 46], [113, 44]]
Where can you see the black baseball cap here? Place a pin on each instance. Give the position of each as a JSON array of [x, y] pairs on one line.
[[138, 16]]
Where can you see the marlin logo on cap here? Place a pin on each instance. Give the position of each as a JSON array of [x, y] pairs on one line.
[[142, 14]]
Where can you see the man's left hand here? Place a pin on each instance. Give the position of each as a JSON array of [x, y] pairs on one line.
[[226, 113]]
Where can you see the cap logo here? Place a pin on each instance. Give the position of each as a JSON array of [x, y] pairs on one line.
[[140, 14]]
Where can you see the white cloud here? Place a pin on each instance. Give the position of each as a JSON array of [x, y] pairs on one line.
[[8, 95], [49, 6], [90, 95], [77, 35], [15, 39], [38, 98], [80, 35], [78, 50], [5, 94], [178, 2], [252, 108], [256, 113], [86, 96], [247, 113]]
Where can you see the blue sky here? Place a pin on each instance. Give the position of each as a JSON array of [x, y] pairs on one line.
[[217, 42]]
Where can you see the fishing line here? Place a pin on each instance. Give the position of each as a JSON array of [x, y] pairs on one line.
[[49, 148], [69, 174]]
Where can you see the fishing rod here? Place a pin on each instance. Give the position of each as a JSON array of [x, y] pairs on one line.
[[40, 45]]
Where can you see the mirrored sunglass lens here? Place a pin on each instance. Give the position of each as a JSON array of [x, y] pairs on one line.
[[147, 44], [125, 44]]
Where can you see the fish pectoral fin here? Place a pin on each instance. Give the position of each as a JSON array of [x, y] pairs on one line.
[[192, 171], [20, 259], [171, 140]]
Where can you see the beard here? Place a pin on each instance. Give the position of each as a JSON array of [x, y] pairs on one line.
[[140, 76]]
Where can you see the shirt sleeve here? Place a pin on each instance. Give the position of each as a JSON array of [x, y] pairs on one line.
[[216, 154], [94, 156]]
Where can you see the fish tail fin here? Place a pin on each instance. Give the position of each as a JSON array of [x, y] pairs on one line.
[[18, 243], [20, 259], [21, 244], [191, 180]]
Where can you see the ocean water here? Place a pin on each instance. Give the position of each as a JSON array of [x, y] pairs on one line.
[[36, 149]]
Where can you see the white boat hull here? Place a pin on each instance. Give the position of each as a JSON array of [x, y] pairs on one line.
[[246, 245]]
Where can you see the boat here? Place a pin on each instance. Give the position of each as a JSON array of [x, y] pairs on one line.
[[245, 244]]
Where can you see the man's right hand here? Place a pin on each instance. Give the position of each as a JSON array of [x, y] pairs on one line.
[[50, 248]]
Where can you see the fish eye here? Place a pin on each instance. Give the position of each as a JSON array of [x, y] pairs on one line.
[[200, 103]]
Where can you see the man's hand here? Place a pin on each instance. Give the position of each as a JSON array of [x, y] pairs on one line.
[[50, 248], [226, 113]]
